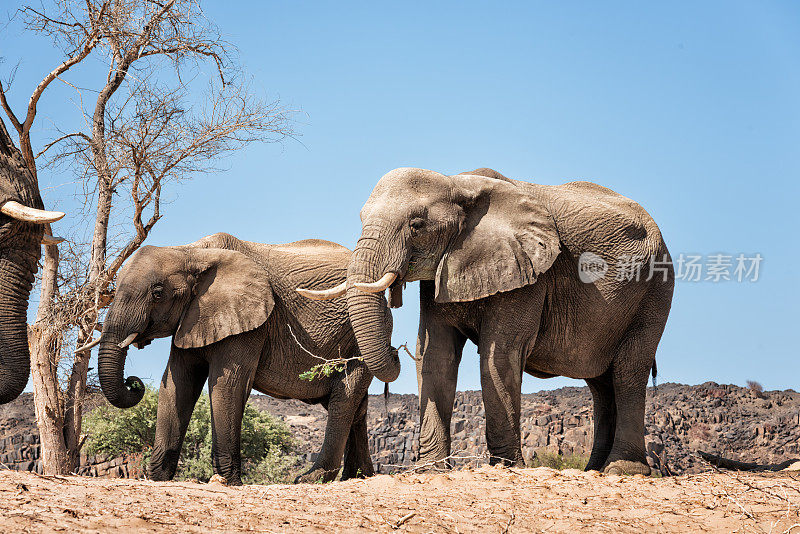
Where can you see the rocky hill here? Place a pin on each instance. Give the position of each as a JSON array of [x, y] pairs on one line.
[[733, 421], [726, 419]]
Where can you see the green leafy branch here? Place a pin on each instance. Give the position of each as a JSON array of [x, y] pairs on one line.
[[328, 366]]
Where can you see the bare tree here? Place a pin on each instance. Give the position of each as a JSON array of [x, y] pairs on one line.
[[146, 129]]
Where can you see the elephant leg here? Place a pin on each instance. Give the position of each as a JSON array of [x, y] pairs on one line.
[[439, 349], [605, 419], [501, 385], [232, 369], [181, 385], [630, 372], [344, 402], [357, 460]]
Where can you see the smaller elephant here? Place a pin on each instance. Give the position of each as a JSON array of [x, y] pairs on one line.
[[236, 320]]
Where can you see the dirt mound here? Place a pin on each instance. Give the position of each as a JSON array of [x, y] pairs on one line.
[[487, 499]]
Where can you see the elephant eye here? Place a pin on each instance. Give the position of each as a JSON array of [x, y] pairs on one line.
[[158, 292], [417, 223]]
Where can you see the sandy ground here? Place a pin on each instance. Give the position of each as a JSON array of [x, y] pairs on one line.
[[486, 499]]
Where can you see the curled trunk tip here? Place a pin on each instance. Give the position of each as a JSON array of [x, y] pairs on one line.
[[122, 393]]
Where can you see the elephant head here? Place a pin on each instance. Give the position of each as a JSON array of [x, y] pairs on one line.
[[22, 229], [473, 234], [197, 295]]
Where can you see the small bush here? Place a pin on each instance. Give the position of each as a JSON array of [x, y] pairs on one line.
[[756, 388], [267, 444], [545, 458]]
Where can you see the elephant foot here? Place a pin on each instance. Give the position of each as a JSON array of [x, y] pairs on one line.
[[596, 464], [505, 462], [360, 472], [317, 475], [160, 476], [433, 465], [627, 467], [509, 457]]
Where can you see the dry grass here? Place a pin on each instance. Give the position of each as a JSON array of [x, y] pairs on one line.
[[545, 458]]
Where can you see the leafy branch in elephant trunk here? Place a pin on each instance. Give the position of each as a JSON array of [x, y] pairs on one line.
[[328, 365], [331, 365], [143, 134], [267, 444]]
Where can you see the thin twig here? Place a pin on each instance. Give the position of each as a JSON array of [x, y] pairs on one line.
[[510, 522], [403, 519], [404, 346]]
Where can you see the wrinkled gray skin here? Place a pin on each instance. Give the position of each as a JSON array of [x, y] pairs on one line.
[[229, 305], [497, 261], [19, 253]]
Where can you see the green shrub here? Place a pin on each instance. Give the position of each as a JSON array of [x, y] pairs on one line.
[[267, 444], [545, 458]]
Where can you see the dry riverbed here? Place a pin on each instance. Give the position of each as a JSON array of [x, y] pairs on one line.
[[486, 499]]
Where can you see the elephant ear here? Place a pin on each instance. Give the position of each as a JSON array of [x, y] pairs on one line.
[[231, 295], [507, 239]]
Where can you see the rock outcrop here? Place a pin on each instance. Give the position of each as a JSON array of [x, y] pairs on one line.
[[728, 420]]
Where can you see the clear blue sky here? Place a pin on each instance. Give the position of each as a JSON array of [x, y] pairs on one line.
[[690, 108]]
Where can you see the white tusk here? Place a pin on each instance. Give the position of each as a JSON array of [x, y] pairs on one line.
[[32, 215], [376, 287], [89, 345], [128, 340], [324, 294], [51, 240]]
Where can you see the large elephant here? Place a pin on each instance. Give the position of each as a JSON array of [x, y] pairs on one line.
[[22, 230], [498, 264], [235, 319]]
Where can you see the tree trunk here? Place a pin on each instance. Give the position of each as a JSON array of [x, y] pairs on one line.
[[45, 342], [73, 405]]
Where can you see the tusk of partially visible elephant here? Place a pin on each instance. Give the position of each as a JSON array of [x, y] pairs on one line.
[[24, 213], [376, 287], [89, 345], [128, 340], [51, 240], [324, 294]]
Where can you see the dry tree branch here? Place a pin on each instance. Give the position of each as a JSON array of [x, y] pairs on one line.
[[442, 464], [140, 137], [740, 480], [9, 112], [92, 39], [49, 145]]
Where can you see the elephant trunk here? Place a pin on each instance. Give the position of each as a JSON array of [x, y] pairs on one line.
[[15, 362], [122, 393], [368, 310]]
